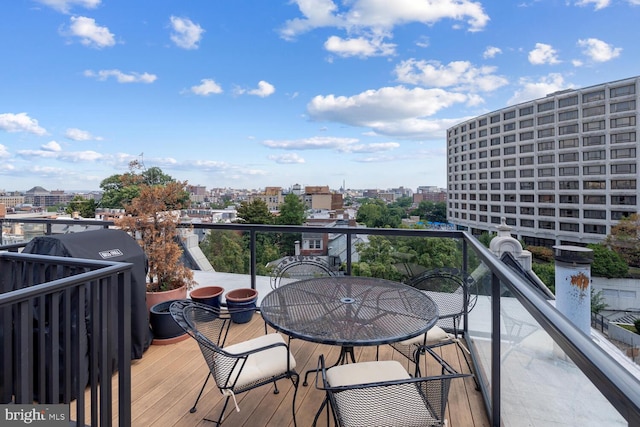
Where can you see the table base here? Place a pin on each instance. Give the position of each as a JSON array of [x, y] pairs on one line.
[[342, 359]]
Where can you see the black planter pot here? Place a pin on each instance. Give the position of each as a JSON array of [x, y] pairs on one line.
[[162, 324]]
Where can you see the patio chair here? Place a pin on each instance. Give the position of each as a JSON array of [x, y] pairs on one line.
[[239, 367], [383, 393], [455, 293]]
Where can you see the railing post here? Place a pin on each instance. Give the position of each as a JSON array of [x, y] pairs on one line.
[[495, 351], [252, 249], [348, 253]]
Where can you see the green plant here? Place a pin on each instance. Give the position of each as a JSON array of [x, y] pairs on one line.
[[636, 323]]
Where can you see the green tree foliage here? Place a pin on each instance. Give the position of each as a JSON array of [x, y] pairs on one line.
[[485, 238], [625, 239], [636, 323], [431, 211], [254, 212], [376, 259], [226, 251], [547, 273], [607, 263], [597, 301], [85, 207], [292, 211], [375, 213]]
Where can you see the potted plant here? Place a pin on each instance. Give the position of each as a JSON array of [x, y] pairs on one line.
[[152, 218], [241, 304], [209, 295]]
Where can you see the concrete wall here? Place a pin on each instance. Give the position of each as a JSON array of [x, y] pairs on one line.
[[619, 294]]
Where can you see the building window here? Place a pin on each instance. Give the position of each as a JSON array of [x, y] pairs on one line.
[[510, 174], [594, 185], [594, 214], [526, 148], [495, 152], [482, 165], [527, 185], [623, 106], [598, 110], [567, 226], [546, 145], [623, 168], [546, 212], [569, 185], [547, 225], [623, 122], [495, 118], [622, 90], [569, 171], [527, 135], [527, 210], [568, 115], [594, 199], [508, 139], [483, 196], [526, 198], [623, 200], [510, 198], [591, 126], [482, 154], [618, 215], [525, 111], [593, 96], [526, 123], [546, 185], [593, 170], [494, 130], [546, 198], [546, 133], [509, 115], [588, 141], [546, 172], [544, 120], [570, 213], [509, 162], [526, 160], [568, 157], [570, 199], [623, 153], [568, 129], [623, 184], [594, 155], [567, 102], [546, 106], [495, 209], [509, 151], [495, 186], [509, 126], [526, 223], [568, 143], [594, 229], [495, 163], [472, 125], [510, 209], [482, 122], [495, 175], [617, 138], [547, 158], [526, 173]]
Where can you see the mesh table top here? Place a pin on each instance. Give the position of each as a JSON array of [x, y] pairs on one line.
[[349, 310]]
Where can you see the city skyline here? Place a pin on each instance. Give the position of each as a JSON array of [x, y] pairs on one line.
[[244, 94]]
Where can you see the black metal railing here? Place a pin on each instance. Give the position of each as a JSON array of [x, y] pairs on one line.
[[65, 328], [617, 385]]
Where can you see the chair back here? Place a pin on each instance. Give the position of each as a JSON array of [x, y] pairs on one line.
[[454, 292], [300, 267], [209, 327]]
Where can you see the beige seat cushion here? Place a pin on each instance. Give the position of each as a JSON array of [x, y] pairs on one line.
[[378, 406], [258, 366], [435, 335]]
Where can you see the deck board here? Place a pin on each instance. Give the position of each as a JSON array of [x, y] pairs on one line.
[[166, 381]]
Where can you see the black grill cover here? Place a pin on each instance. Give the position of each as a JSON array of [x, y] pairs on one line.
[[109, 245]]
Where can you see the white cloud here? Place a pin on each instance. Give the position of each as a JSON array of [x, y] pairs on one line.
[[185, 33], [375, 15], [4, 153], [314, 143], [65, 6], [90, 33], [359, 46], [206, 88], [461, 75], [491, 52], [538, 89], [263, 90], [121, 77], [80, 135], [543, 54], [52, 146], [287, 158], [598, 50], [599, 4], [20, 122]]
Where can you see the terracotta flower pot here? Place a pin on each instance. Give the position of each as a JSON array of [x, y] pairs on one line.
[[154, 298], [209, 295], [241, 304]]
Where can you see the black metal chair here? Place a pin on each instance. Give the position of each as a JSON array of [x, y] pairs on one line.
[[239, 367], [455, 293], [383, 393]]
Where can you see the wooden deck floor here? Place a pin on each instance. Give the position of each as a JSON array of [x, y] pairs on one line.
[[166, 381]]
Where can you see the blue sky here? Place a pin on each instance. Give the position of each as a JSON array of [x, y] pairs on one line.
[[255, 93]]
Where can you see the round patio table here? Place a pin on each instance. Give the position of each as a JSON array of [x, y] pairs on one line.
[[349, 311]]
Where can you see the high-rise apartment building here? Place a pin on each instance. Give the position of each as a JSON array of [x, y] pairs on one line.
[[561, 169]]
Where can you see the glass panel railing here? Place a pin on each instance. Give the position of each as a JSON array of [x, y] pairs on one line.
[[540, 385]]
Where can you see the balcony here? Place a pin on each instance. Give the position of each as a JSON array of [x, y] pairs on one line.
[[538, 370]]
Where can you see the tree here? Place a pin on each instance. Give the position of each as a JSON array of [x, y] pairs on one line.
[[607, 263], [625, 239], [85, 207], [292, 211], [255, 212], [226, 251], [152, 219], [431, 211]]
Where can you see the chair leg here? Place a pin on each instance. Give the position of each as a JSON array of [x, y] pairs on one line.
[[325, 402], [221, 417], [295, 379], [275, 388], [465, 354], [193, 409]]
